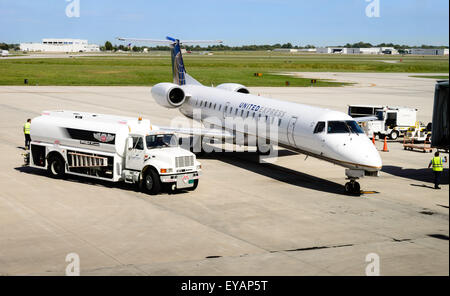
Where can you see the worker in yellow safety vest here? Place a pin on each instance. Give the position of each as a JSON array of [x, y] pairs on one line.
[[26, 132], [437, 163]]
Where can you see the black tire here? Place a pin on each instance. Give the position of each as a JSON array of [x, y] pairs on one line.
[[56, 167], [151, 183], [195, 185], [348, 188], [352, 188], [356, 188], [394, 135]]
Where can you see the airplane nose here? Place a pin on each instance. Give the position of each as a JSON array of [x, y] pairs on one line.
[[364, 154], [371, 155]]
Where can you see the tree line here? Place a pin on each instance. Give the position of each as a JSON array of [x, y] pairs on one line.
[[108, 46], [5, 46], [220, 47]]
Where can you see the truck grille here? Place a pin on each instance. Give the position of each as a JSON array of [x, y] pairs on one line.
[[184, 161]]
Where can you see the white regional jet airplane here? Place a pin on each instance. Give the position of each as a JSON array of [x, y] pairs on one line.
[[321, 133]]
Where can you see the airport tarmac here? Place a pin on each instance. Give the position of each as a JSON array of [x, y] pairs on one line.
[[245, 218]]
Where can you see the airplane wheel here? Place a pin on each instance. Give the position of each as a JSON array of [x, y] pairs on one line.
[[348, 187], [352, 188]]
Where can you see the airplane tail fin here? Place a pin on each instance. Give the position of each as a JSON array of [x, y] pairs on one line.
[[180, 76], [178, 69]]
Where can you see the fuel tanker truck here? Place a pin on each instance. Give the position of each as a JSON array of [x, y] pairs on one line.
[[112, 148]]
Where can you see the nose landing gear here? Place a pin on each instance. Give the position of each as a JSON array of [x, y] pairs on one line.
[[352, 187]]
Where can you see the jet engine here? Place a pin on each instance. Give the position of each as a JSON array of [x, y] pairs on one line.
[[168, 95], [234, 87]]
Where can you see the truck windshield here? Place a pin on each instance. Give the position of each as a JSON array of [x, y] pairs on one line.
[[163, 140], [344, 127]]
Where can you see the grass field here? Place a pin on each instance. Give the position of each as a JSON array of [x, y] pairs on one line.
[[239, 67], [431, 77]]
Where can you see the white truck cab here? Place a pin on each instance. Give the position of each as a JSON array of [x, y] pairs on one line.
[[160, 153], [112, 148]]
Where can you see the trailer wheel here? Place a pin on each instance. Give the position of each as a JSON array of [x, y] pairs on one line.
[[393, 135], [56, 167], [151, 183]]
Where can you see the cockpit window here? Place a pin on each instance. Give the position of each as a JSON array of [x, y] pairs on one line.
[[354, 127], [344, 127], [338, 127], [320, 127]]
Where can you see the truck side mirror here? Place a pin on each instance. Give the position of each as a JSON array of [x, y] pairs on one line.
[[130, 143]]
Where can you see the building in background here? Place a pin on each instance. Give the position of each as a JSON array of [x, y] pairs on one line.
[[429, 51], [293, 50], [330, 50], [370, 50], [60, 45], [350, 50], [286, 49]]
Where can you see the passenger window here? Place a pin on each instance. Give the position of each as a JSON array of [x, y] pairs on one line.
[[279, 122], [215, 106], [320, 127], [210, 104], [220, 107]]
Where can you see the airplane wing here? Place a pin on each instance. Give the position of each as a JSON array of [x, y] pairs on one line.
[[144, 40], [205, 132], [366, 118], [169, 40]]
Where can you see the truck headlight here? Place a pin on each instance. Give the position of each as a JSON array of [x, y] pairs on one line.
[[166, 171], [199, 167]]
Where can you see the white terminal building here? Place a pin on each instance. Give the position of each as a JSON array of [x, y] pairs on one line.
[[60, 45], [348, 50], [429, 51]]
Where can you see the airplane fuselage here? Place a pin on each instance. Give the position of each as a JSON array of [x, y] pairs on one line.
[[318, 132]]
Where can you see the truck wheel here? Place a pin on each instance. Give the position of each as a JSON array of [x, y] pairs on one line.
[[195, 185], [151, 183], [393, 135], [55, 167]]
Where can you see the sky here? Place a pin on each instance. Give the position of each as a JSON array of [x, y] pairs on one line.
[[236, 22]]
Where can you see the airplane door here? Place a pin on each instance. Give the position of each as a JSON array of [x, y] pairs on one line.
[[290, 130]]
